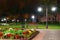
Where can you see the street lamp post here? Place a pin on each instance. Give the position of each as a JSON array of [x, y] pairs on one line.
[[25, 22], [46, 18], [52, 9], [33, 18]]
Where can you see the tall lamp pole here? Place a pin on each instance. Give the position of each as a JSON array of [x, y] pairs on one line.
[[46, 18]]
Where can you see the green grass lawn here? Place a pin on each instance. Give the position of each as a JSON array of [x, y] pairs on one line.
[[40, 26]]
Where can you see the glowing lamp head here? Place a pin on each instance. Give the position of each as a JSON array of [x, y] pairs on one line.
[[39, 9], [53, 8], [32, 16]]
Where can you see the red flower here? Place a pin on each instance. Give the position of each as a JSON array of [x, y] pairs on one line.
[[24, 32], [1, 34], [17, 36], [9, 35]]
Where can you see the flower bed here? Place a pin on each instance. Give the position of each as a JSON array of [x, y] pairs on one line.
[[22, 34]]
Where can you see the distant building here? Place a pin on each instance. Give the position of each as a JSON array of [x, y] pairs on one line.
[[58, 18], [51, 18]]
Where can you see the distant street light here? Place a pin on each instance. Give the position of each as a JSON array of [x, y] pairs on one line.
[[33, 19], [25, 20], [17, 20], [32, 16], [13, 20], [4, 19], [39, 9]]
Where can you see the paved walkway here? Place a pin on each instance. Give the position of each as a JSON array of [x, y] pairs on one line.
[[48, 35]]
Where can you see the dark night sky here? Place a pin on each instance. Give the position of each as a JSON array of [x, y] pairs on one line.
[[8, 7]]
